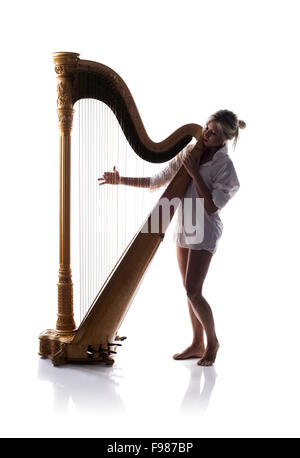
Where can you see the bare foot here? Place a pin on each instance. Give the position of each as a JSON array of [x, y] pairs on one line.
[[191, 352], [209, 356]]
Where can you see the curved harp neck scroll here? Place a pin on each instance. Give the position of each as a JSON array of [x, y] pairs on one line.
[[100, 82]]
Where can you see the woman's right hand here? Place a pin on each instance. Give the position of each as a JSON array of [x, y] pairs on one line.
[[110, 177]]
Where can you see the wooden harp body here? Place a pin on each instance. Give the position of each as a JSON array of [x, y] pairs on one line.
[[96, 337]]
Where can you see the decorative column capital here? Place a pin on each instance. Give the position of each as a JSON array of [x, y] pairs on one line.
[[65, 67], [65, 63]]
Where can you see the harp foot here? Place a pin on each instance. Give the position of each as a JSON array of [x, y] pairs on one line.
[[53, 345], [61, 350]]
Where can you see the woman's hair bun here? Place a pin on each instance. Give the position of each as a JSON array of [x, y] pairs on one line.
[[229, 124]]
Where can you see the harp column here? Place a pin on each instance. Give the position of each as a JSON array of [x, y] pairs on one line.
[[65, 67]]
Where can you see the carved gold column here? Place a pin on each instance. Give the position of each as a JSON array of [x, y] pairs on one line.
[[65, 67]]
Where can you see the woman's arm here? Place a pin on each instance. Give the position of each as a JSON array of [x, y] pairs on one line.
[[156, 181], [137, 182], [114, 178], [205, 193], [193, 170], [165, 176]]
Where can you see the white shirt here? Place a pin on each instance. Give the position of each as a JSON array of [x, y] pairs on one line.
[[221, 180]]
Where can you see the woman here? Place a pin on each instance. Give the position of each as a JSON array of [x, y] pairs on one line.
[[214, 180]]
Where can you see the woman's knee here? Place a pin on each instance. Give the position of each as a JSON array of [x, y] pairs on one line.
[[194, 292], [196, 272]]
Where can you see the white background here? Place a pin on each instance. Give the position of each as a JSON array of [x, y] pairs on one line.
[[182, 61]]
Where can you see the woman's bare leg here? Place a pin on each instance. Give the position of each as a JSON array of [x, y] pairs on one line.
[[197, 348], [197, 268]]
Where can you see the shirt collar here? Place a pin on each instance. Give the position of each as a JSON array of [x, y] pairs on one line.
[[222, 152]]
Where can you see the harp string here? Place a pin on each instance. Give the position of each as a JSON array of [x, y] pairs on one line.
[[104, 218]]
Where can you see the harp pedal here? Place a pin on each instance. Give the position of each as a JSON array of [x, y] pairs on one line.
[[100, 353], [113, 345], [103, 351], [90, 352], [103, 354]]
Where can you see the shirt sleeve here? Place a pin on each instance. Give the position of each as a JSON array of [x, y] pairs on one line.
[[225, 185], [165, 176]]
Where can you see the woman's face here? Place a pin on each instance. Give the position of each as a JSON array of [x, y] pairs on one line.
[[212, 136]]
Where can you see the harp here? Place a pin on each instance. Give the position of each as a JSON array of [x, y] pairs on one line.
[[96, 338]]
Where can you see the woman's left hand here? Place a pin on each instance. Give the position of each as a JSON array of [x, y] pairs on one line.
[[191, 165]]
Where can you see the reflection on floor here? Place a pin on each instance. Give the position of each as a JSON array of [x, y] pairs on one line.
[[98, 388]]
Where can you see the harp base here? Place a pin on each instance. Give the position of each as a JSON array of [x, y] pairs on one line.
[[60, 349]]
